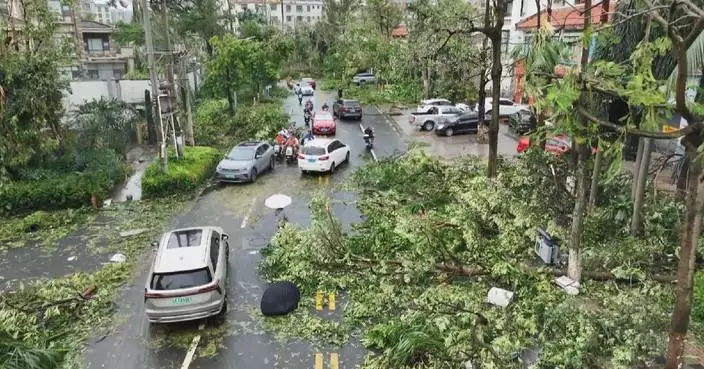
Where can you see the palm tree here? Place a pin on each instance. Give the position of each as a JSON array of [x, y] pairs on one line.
[[15, 354]]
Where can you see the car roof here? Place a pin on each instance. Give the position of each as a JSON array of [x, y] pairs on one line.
[[247, 144], [183, 249], [430, 101], [350, 101], [319, 142], [323, 114]]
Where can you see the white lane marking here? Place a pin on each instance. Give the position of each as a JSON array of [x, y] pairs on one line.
[[191, 351], [361, 127], [373, 155], [249, 212]]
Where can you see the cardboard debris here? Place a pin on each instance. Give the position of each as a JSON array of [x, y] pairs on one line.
[[499, 297], [570, 286]]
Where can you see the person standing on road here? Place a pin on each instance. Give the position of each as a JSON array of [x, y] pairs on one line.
[[339, 93]]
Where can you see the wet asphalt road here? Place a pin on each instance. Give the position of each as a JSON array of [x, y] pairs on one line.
[[240, 339]]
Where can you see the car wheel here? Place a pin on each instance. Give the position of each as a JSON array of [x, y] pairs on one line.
[[271, 163], [223, 311], [428, 126], [449, 132], [253, 175], [332, 168], [347, 157]]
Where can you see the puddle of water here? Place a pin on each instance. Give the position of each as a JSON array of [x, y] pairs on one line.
[[133, 186]]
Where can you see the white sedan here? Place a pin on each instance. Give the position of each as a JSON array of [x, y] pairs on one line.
[[322, 155], [307, 90]]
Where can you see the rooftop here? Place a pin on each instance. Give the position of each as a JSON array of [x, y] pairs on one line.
[[568, 18]]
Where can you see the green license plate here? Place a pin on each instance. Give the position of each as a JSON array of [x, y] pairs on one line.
[[181, 300]]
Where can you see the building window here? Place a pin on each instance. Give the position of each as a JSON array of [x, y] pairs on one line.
[[505, 41], [288, 18], [299, 8], [75, 73], [508, 7], [93, 74], [299, 19], [274, 19], [308, 19], [308, 9], [288, 8], [93, 45], [118, 73], [65, 10], [272, 7]]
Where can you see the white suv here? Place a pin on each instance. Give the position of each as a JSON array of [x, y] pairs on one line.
[[188, 277]]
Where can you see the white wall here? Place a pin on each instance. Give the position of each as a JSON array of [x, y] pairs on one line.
[[129, 91]]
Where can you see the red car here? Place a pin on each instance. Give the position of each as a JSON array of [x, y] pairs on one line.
[[309, 81], [324, 123], [557, 145]]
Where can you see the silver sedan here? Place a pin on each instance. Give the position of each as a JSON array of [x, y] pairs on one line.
[[245, 162]]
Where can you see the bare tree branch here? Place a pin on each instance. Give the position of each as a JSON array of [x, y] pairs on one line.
[[639, 132]]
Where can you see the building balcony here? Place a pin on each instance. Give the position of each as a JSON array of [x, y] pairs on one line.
[[123, 53]]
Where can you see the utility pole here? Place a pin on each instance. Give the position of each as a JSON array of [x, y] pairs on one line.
[[283, 25], [170, 85], [155, 84], [186, 88]]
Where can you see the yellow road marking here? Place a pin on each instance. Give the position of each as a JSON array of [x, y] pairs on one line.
[[334, 361], [331, 302], [318, 360], [327, 180], [320, 180], [319, 300]]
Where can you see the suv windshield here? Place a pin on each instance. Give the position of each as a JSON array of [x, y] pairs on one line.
[[240, 154], [313, 150], [181, 280]]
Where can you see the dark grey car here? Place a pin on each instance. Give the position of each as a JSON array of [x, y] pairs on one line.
[[245, 162], [345, 108]]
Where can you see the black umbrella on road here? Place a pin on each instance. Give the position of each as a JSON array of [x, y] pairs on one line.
[[280, 298]]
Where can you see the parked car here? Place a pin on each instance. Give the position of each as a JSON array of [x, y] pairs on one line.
[[322, 155], [522, 122], [506, 108], [188, 276], [307, 90], [467, 122], [245, 161], [428, 120], [426, 105], [363, 78], [346, 108], [324, 123], [308, 82]]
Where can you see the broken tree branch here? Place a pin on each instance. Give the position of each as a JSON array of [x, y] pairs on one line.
[[639, 132]]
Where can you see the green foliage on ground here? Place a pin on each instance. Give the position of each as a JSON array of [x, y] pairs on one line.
[[185, 174], [42, 226], [215, 127], [71, 184], [38, 329], [698, 304], [435, 237]]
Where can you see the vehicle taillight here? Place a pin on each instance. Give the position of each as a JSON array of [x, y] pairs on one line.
[[300, 156], [345, 109], [323, 158], [152, 295], [211, 287]]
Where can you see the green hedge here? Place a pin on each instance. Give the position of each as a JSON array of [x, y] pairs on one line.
[[185, 174], [96, 173], [698, 304]]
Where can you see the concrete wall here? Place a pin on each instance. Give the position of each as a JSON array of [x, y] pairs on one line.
[[129, 91]]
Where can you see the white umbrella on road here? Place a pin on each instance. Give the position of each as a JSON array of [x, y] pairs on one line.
[[277, 201]]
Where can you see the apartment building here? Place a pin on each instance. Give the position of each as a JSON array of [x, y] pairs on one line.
[[102, 12], [96, 56], [294, 13]]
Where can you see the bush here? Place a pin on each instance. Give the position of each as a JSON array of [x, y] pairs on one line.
[[698, 304], [185, 174], [95, 173], [215, 127]]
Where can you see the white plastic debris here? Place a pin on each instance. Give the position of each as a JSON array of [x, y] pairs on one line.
[[132, 232], [499, 297], [118, 258], [71, 258], [107, 203], [569, 285], [468, 365]]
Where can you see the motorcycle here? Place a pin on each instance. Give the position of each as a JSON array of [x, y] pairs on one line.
[[306, 117], [277, 151], [369, 141], [290, 155]]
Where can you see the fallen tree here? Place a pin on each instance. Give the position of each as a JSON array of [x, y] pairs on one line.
[[441, 235]]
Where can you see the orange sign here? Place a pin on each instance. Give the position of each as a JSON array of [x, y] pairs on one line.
[[668, 129]]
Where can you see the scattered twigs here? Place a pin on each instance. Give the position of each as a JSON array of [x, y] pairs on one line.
[[80, 297]]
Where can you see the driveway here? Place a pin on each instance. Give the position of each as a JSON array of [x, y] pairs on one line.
[[241, 340], [454, 146]]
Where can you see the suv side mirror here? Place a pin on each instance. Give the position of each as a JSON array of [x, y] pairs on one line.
[[155, 244], [225, 237]]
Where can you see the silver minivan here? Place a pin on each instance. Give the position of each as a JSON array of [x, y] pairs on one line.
[[187, 280]]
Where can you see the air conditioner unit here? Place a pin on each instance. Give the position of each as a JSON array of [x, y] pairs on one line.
[[546, 247]]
